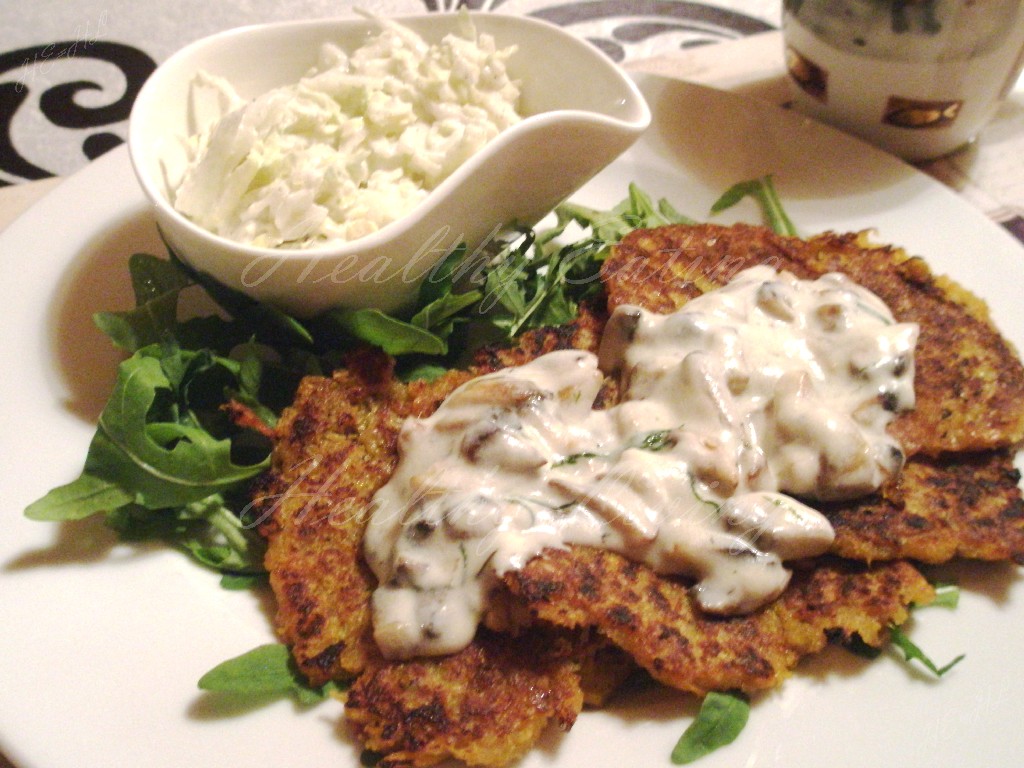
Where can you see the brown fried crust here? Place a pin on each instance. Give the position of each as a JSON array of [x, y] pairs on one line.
[[583, 333], [655, 621], [970, 383], [485, 705], [937, 509], [604, 667]]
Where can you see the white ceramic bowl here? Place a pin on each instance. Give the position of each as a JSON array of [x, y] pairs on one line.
[[580, 112]]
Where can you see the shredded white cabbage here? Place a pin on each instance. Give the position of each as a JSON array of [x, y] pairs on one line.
[[354, 145]]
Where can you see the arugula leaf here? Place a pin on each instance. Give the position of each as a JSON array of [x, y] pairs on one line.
[[422, 371], [166, 462], [157, 465], [153, 277], [209, 531], [763, 191], [721, 718], [81, 498], [912, 652], [266, 671], [505, 297], [440, 281], [156, 284], [166, 458], [534, 283], [637, 211], [670, 215], [242, 581], [394, 336], [440, 316], [263, 321]]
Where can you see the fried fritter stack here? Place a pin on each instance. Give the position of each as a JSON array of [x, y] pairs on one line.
[[591, 615]]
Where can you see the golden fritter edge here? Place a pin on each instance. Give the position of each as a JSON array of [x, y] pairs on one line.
[[655, 620], [485, 705], [963, 506]]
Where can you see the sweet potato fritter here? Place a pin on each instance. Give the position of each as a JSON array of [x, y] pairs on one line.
[[335, 447], [970, 382], [486, 705]]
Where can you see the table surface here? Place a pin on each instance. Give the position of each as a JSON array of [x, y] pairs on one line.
[[731, 44]]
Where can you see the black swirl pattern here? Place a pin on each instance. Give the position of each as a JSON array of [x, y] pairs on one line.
[[632, 22], [59, 104], [689, 23]]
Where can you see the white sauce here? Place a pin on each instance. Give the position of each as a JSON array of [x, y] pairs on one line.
[[767, 387], [354, 145]]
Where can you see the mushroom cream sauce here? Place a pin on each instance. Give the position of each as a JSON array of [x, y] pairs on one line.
[[767, 387]]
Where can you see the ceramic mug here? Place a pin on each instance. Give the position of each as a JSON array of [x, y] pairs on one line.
[[919, 78]]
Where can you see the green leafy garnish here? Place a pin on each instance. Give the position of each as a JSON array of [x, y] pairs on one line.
[[576, 458], [166, 461], [150, 438], [156, 284], [912, 652], [208, 530], [394, 336], [158, 465], [242, 581], [721, 718], [637, 211], [657, 441], [79, 499], [946, 596], [762, 190], [264, 672], [532, 283]]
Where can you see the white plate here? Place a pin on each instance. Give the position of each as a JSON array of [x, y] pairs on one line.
[[102, 643]]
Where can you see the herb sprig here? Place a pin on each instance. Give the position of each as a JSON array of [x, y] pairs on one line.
[[722, 717], [266, 672]]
